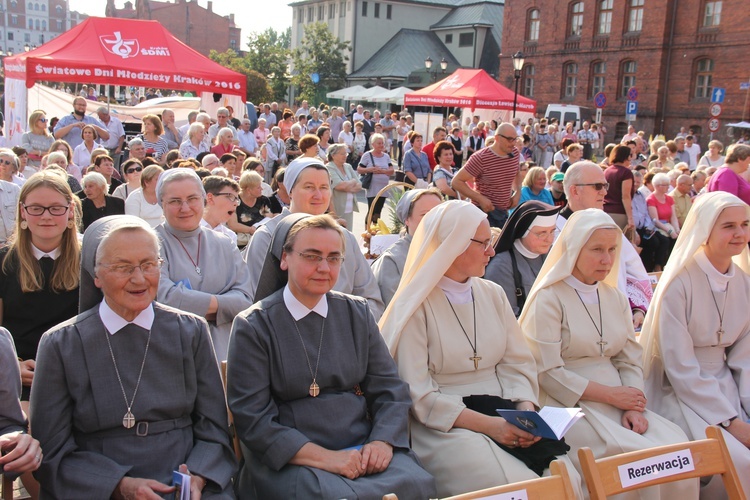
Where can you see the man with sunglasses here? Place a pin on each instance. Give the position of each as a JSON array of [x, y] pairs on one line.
[[585, 187], [496, 174]]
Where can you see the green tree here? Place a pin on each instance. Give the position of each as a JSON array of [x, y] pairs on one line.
[[257, 87], [268, 52], [321, 53]]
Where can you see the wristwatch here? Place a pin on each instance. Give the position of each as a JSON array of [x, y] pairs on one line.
[[726, 423]]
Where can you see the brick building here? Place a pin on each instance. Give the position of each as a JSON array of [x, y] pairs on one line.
[[199, 27], [674, 53], [31, 23]]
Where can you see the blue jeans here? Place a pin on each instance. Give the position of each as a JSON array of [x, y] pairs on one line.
[[497, 217]]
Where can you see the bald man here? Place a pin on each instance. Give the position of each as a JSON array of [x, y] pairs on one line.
[[682, 199]]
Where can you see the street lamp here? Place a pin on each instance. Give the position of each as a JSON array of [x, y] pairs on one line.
[[434, 74], [517, 68]]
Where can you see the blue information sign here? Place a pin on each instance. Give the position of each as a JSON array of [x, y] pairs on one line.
[[717, 94]]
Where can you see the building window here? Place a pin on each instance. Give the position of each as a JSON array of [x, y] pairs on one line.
[[332, 11], [629, 69], [310, 14], [712, 14], [44, 8], [36, 6], [300, 16], [448, 38], [377, 10], [31, 24], [528, 80], [342, 9], [233, 44], [10, 36], [703, 77], [571, 79], [13, 20], [598, 75], [36, 24], [41, 39], [364, 9], [605, 17], [388, 11], [44, 25], [321, 12], [465, 39], [27, 37], [576, 19], [31, 6], [532, 26], [59, 24], [635, 16], [59, 9]]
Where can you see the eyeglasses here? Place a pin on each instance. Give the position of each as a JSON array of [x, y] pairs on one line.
[[192, 201], [543, 235], [507, 138], [38, 210], [231, 197], [43, 120], [148, 268], [333, 260], [597, 185], [487, 244], [133, 170], [7, 162]]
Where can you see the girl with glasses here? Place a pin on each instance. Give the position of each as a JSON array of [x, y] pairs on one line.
[[40, 268]]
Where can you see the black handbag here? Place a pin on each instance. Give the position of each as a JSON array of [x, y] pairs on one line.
[[366, 179]]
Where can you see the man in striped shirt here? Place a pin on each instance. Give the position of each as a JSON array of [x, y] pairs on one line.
[[495, 173]]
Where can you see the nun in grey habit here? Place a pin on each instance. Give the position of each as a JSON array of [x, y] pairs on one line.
[[355, 404], [78, 408]]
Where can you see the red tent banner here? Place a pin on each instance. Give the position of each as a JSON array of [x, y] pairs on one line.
[[469, 88], [123, 52]]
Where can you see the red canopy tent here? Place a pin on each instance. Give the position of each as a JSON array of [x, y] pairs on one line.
[[469, 88], [123, 52]]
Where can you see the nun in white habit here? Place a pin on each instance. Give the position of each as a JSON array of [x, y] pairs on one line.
[[456, 342], [577, 324], [203, 272], [696, 336]]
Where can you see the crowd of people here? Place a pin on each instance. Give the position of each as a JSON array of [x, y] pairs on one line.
[[518, 282]]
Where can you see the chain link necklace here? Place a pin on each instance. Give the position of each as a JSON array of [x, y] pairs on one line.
[[720, 331], [128, 421], [599, 330], [314, 389], [476, 359]]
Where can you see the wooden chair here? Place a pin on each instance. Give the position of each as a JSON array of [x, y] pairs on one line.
[[7, 488], [556, 486], [232, 428], [654, 279], [709, 456]]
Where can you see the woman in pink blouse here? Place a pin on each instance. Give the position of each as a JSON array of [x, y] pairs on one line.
[[730, 177]]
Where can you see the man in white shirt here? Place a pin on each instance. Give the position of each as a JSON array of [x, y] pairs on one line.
[[116, 139], [248, 143], [268, 115], [693, 150], [184, 129], [9, 194], [303, 110], [359, 114]]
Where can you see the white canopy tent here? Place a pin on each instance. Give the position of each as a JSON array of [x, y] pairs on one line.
[[739, 124], [368, 95], [394, 96], [344, 94]]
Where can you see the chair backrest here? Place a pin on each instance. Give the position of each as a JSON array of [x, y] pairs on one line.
[[557, 486], [232, 428], [654, 279], [663, 464], [7, 488]]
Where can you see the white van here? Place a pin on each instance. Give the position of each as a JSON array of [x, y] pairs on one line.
[[565, 113]]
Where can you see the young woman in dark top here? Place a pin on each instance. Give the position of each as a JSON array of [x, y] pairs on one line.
[[39, 274]]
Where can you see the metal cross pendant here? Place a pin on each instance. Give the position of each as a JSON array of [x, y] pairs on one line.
[[602, 343], [476, 360], [128, 421], [314, 389]]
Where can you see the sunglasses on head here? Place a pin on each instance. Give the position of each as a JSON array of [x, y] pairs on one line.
[[134, 169]]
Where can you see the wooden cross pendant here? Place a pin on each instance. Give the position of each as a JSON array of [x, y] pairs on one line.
[[602, 343], [476, 360], [314, 389]]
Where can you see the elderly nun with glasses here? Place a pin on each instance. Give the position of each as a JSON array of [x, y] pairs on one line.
[[129, 390], [203, 272]]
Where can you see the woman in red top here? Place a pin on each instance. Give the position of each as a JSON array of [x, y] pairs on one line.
[[660, 210], [224, 142], [618, 202]]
